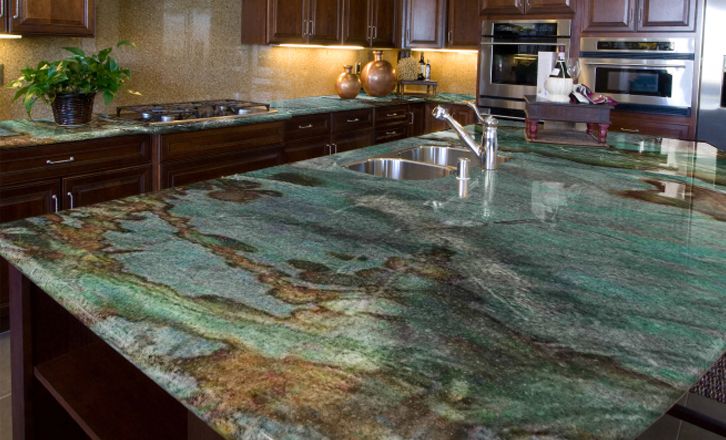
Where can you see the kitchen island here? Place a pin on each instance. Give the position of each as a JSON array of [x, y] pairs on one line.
[[574, 293]]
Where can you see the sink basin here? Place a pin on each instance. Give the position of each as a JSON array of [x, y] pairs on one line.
[[401, 169], [437, 155]]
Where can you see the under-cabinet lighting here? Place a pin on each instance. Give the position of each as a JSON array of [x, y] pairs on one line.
[[464, 51], [319, 46], [9, 36]]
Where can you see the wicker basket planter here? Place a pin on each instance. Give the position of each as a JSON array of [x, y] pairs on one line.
[[74, 109]]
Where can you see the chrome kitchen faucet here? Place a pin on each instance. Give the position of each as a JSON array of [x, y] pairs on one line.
[[487, 150]]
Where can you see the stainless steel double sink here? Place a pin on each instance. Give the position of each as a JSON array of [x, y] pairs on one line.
[[424, 162]]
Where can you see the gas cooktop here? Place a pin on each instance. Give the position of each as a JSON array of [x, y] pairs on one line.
[[195, 111]]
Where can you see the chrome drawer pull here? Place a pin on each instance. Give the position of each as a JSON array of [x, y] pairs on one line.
[[17, 10], [392, 115], [351, 121], [54, 198], [630, 130], [60, 162], [391, 133], [70, 197], [305, 127]]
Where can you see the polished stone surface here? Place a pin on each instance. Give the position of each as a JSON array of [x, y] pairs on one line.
[[42, 132], [576, 292]]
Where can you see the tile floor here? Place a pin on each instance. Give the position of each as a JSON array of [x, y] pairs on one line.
[[666, 428]]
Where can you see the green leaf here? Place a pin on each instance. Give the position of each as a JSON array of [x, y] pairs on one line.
[[76, 51]]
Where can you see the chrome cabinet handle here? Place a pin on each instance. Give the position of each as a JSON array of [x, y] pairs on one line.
[[451, 36], [305, 127], [413, 118], [17, 10], [60, 162], [335, 147], [2, 9], [70, 198], [375, 32], [305, 28], [392, 115], [391, 133], [54, 198], [630, 130], [352, 121], [328, 150]]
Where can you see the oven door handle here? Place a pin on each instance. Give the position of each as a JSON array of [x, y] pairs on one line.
[[640, 66], [511, 43]]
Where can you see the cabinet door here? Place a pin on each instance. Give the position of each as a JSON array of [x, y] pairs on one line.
[[610, 16], [425, 23], [305, 149], [29, 200], [417, 126], [384, 22], [352, 140], [550, 7], [357, 26], [327, 18], [3, 16], [57, 17], [491, 7], [185, 173], [100, 187], [464, 25], [667, 15], [288, 21]]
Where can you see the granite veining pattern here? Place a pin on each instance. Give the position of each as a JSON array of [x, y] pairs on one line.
[[575, 294], [26, 133]]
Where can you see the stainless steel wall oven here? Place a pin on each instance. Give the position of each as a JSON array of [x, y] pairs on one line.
[[652, 74], [509, 53]]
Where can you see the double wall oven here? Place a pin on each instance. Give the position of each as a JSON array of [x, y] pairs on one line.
[[509, 55], [651, 74]]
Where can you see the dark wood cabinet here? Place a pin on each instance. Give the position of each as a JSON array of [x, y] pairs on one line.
[[369, 22], [29, 200], [517, 7], [417, 124], [667, 15], [550, 6], [287, 21], [494, 7], [463, 27], [425, 23], [3, 16], [640, 16], [56, 17], [293, 21], [463, 114], [325, 21], [103, 186], [307, 148], [206, 168], [675, 127]]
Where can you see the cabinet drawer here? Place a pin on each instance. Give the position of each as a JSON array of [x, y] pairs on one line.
[[185, 173], [388, 134], [660, 126], [351, 141], [307, 126], [199, 144], [29, 200], [353, 120], [393, 115], [45, 161]]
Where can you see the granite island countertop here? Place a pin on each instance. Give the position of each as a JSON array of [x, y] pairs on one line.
[[576, 293], [24, 132]]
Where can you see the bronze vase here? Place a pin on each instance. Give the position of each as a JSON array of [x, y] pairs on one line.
[[378, 76], [348, 84]]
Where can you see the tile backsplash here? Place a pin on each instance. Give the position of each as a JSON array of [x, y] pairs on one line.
[[190, 49]]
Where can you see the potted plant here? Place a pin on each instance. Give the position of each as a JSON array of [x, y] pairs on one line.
[[71, 84]]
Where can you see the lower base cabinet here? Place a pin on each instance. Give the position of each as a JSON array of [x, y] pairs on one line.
[[461, 113], [101, 187], [352, 141], [675, 127], [304, 149]]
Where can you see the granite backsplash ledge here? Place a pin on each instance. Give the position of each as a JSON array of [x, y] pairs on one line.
[[191, 50]]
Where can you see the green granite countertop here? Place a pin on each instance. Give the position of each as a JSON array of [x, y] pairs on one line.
[[24, 132], [577, 292]]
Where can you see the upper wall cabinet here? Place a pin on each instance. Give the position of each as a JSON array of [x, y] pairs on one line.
[[424, 21], [304, 21], [463, 25], [640, 16], [369, 22], [3, 16], [518, 7], [57, 17]]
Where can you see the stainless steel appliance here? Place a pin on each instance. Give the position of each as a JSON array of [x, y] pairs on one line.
[[652, 74], [712, 107], [186, 112], [509, 54]]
